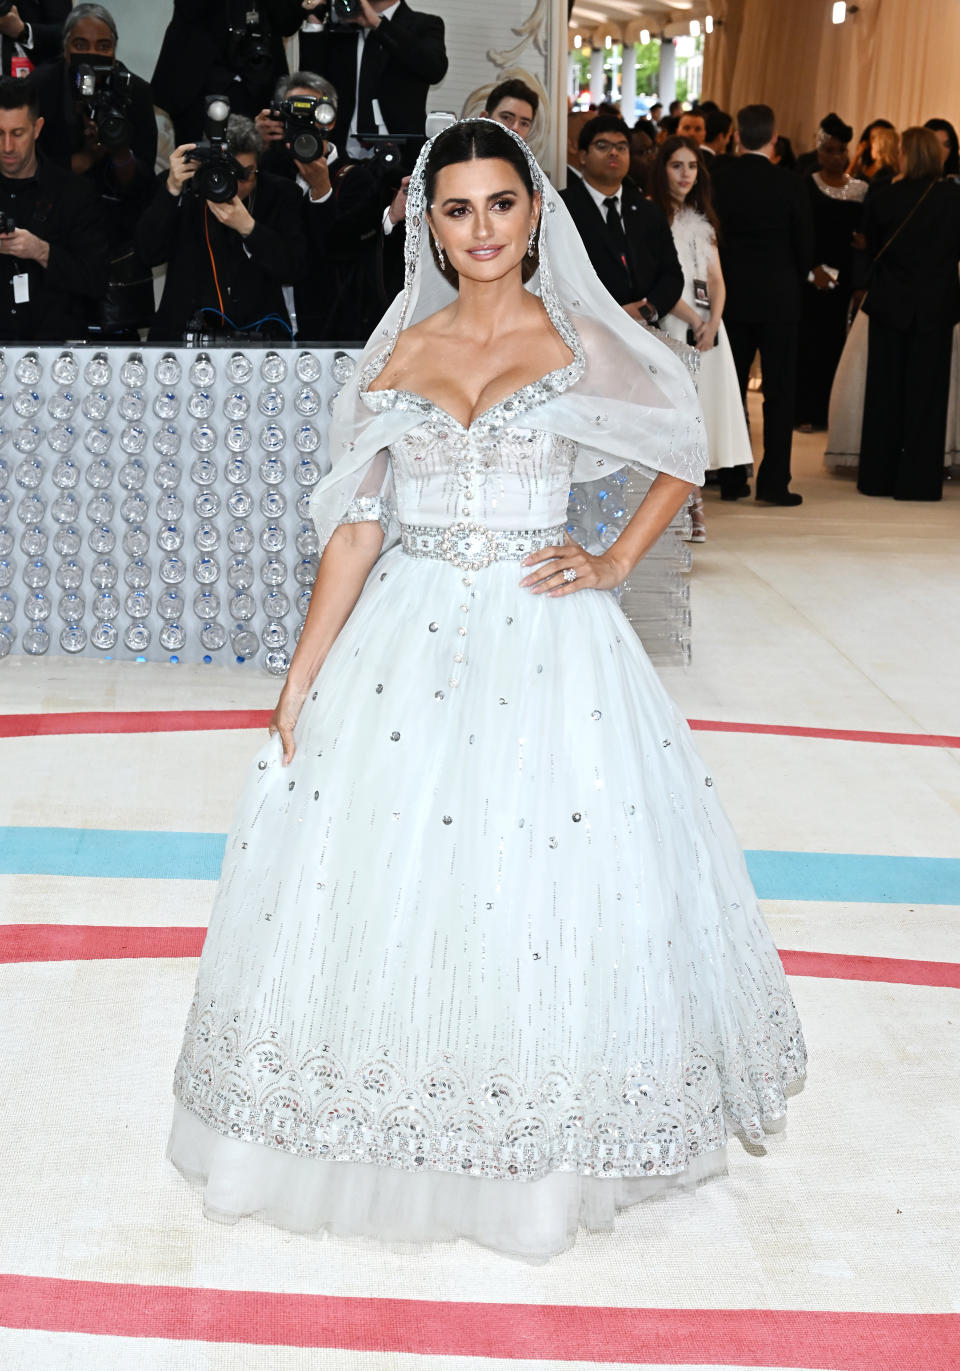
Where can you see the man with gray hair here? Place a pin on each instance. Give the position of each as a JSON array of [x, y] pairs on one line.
[[227, 260]]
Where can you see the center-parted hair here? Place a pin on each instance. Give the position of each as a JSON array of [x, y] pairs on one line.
[[470, 140]]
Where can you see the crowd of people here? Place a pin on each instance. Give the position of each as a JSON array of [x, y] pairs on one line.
[[772, 255], [275, 215], [281, 215]]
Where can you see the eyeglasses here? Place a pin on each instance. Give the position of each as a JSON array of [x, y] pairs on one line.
[[603, 146]]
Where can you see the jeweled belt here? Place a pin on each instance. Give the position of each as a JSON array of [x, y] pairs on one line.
[[473, 545]]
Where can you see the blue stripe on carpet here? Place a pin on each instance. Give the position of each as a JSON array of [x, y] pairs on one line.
[[840, 876]]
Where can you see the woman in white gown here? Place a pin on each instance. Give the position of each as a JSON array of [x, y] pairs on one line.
[[484, 960], [680, 185]]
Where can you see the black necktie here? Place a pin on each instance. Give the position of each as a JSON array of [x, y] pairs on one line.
[[615, 229]]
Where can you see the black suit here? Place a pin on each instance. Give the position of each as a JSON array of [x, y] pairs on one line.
[[766, 251], [194, 61], [128, 306], [913, 303], [63, 210], [251, 271], [45, 18], [650, 268], [402, 59]]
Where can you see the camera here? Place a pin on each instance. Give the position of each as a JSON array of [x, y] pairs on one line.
[[248, 45], [103, 90], [305, 119], [7, 222], [218, 176], [342, 14]]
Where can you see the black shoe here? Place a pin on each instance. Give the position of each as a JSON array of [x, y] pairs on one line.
[[734, 492], [788, 499]]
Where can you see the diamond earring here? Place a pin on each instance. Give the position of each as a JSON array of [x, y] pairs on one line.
[[531, 244], [443, 260]]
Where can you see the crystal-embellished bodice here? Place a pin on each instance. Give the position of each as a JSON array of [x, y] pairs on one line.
[[506, 478]]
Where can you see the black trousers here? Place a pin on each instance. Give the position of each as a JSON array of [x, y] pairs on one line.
[[777, 345], [905, 412]]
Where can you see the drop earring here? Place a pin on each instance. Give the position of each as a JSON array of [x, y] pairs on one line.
[[531, 244], [442, 259]]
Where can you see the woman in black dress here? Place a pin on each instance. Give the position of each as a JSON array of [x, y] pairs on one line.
[[912, 232], [837, 202]]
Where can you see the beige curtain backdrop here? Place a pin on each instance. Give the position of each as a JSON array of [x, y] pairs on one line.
[[895, 59]]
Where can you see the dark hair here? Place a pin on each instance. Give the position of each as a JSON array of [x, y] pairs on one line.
[[668, 124], [692, 114], [603, 123], [658, 187], [952, 165], [707, 106], [756, 125], [718, 122], [657, 104], [645, 126], [512, 90], [19, 93], [785, 153], [834, 127], [470, 140]]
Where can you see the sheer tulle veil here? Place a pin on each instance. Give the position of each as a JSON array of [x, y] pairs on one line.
[[628, 400]]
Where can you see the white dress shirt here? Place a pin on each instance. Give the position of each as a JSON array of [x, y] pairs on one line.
[[354, 147]]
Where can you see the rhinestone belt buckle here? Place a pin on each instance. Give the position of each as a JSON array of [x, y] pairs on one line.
[[468, 545]]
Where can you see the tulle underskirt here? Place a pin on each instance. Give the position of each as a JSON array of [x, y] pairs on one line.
[[530, 1220]]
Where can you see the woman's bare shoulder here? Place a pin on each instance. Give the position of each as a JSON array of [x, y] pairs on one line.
[[411, 344]]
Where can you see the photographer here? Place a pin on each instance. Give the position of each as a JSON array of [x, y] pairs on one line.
[[227, 257], [98, 121], [233, 46], [53, 252], [377, 52], [30, 33], [342, 297]]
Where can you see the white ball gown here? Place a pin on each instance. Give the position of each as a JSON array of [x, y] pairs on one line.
[[484, 960], [728, 440]]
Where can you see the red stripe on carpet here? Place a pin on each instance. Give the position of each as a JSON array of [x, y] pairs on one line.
[[108, 942], [131, 721], [744, 1337], [844, 735], [197, 720]]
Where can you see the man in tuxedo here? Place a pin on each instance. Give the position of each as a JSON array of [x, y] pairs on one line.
[[30, 33], [766, 250], [199, 57], [386, 59], [627, 237]]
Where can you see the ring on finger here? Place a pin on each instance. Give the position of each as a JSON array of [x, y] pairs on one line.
[[569, 574]]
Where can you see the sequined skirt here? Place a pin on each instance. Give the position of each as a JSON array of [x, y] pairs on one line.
[[485, 959]]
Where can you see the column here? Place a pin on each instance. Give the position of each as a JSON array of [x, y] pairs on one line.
[[596, 73], [628, 83], [667, 76]]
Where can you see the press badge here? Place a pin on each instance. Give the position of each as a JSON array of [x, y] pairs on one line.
[[701, 296], [21, 289]]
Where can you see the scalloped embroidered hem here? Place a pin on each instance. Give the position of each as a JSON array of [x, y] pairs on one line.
[[530, 1220]]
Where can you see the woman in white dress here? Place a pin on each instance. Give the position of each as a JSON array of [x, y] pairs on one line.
[[680, 185], [484, 960]]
